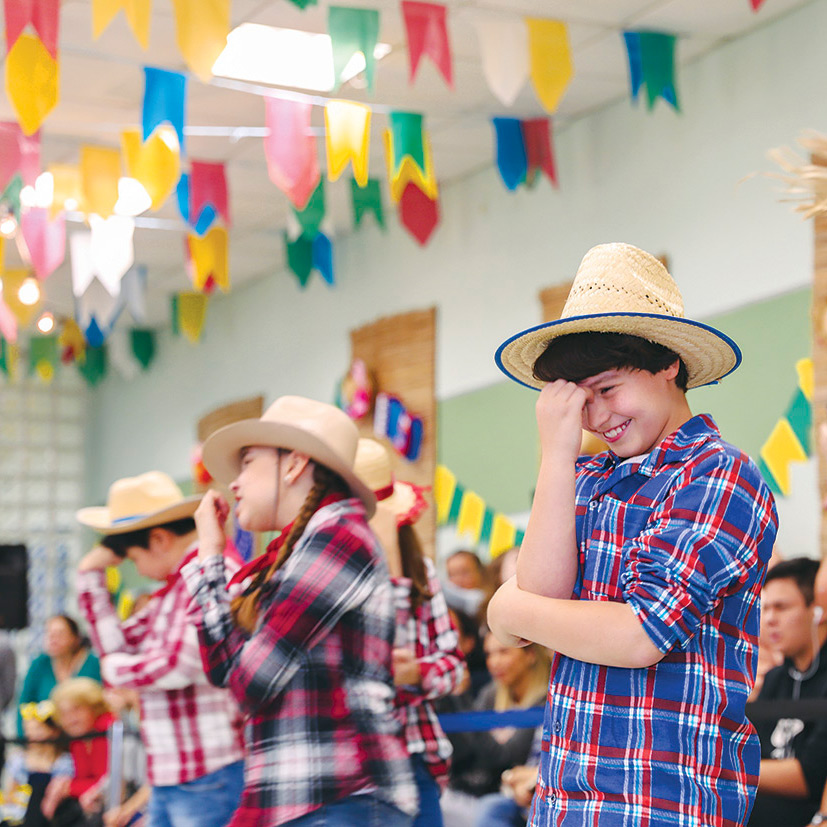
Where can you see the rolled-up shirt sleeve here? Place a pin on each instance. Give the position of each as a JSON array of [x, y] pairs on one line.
[[699, 545]]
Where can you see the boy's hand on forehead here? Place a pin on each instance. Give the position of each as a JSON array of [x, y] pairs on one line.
[[560, 419]]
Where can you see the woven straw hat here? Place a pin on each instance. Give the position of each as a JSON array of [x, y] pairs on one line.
[[323, 432], [144, 501], [621, 289], [404, 499]]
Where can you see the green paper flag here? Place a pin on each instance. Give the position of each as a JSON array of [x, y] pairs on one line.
[[143, 345], [43, 356], [406, 128], [300, 257], [800, 417], [11, 195], [367, 199], [93, 368], [303, 4], [4, 357], [173, 306], [312, 215], [657, 52], [352, 31]]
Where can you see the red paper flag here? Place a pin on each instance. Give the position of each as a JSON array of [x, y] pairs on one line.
[[539, 154], [756, 4], [208, 185], [428, 34], [418, 213], [18, 153], [41, 14]]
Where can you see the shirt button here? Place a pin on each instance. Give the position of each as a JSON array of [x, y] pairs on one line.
[[552, 798], [557, 726], [593, 504]]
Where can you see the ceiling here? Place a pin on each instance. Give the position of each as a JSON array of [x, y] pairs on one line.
[[102, 90]]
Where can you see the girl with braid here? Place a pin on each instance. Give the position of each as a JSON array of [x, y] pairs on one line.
[[306, 647]]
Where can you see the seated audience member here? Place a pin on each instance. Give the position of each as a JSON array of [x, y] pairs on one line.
[[793, 751], [66, 655], [470, 644], [30, 771], [465, 587], [520, 681], [500, 569]]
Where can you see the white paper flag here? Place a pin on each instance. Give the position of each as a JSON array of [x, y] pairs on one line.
[[504, 51]]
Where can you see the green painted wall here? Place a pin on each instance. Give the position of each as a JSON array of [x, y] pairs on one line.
[[488, 437]]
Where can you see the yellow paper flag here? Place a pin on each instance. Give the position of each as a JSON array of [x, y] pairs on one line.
[[68, 192], [806, 377], [192, 310], [72, 340], [100, 169], [210, 258], [12, 282], [32, 82], [347, 136], [444, 485], [156, 164], [409, 171], [779, 451], [503, 534], [138, 14], [471, 513], [45, 371], [550, 60], [201, 29], [12, 360]]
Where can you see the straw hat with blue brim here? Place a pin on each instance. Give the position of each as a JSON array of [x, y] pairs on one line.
[[323, 432], [621, 289]]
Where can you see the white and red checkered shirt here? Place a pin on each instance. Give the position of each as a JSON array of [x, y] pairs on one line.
[[189, 727]]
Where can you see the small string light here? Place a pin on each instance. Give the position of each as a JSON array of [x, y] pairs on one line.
[[29, 292], [8, 225], [46, 323]]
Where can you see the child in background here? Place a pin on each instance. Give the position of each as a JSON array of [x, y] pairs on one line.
[[427, 661], [30, 771], [81, 711]]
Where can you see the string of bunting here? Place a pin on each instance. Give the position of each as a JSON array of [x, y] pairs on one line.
[[790, 439], [475, 521]]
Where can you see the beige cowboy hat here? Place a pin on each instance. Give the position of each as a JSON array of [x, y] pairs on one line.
[[144, 501], [404, 499], [325, 433], [621, 289]]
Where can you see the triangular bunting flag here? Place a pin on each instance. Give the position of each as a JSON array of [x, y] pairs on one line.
[[138, 14], [120, 355], [290, 149], [208, 188], [512, 162], [303, 4], [299, 257], [164, 101], [68, 191], [93, 367], [201, 29], [100, 171], [24, 313], [72, 343], [207, 216], [154, 163], [45, 240], [10, 197], [210, 259], [310, 218], [43, 357], [471, 514], [8, 323], [652, 64], [32, 81], [418, 213], [143, 346], [427, 34], [504, 48], [549, 60], [756, 4], [41, 15], [111, 249], [9, 357], [352, 31], [404, 149], [367, 199], [323, 257], [539, 154], [19, 153], [133, 293], [347, 137], [191, 311]]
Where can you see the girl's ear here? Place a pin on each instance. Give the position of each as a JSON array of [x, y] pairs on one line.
[[295, 465]]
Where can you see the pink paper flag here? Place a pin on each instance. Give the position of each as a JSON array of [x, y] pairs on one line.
[[18, 153], [208, 185], [45, 240], [539, 154], [290, 149], [41, 14], [8, 323], [428, 34], [756, 4], [418, 213]]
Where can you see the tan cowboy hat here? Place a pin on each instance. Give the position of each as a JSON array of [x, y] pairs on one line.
[[325, 433], [621, 289], [133, 503], [404, 499]]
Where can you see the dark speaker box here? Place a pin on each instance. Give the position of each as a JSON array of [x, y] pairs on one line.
[[14, 587]]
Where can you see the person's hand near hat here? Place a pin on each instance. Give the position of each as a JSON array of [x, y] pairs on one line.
[[99, 557], [559, 411], [210, 519]]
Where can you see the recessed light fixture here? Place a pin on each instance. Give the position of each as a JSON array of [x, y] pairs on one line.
[[285, 57]]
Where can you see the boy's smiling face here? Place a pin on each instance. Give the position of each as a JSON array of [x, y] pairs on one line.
[[633, 410]]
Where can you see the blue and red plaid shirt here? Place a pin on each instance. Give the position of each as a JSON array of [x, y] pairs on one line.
[[314, 678], [683, 535]]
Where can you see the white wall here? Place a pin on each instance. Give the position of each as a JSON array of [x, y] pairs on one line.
[[664, 181]]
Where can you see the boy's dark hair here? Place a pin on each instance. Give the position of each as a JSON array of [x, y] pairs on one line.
[[480, 566], [119, 544], [578, 356], [801, 570]]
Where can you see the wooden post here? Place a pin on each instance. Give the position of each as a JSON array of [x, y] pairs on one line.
[[819, 317]]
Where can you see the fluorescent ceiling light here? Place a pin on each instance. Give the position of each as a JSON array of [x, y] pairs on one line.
[[285, 57]]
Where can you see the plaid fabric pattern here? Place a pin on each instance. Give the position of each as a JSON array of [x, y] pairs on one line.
[[314, 678], [189, 728], [431, 636], [683, 535]]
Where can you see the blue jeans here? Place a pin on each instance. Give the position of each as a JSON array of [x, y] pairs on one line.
[[354, 811], [209, 801], [497, 810], [430, 814]]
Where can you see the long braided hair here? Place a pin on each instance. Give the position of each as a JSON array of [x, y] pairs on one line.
[[245, 608]]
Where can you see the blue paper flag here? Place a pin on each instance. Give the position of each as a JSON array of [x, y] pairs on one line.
[[323, 257], [207, 215], [512, 161], [95, 337], [652, 65], [635, 61], [164, 96]]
